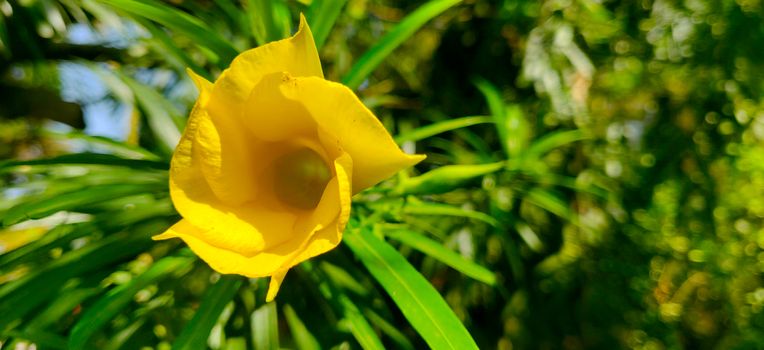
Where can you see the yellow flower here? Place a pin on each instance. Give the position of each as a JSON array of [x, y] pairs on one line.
[[270, 157]]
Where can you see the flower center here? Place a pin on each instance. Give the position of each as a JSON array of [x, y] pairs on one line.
[[300, 178]]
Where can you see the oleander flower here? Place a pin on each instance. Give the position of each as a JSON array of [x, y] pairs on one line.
[[269, 159]]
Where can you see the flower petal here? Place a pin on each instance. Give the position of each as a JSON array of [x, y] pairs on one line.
[[275, 284], [276, 260], [203, 85], [297, 55], [330, 236], [272, 117], [205, 183], [343, 117], [227, 261]]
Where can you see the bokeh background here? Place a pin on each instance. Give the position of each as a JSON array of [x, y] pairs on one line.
[[628, 212]]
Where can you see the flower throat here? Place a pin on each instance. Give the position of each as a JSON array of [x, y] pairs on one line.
[[300, 178]]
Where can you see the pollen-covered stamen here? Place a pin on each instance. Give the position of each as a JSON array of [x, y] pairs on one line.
[[300, 178]]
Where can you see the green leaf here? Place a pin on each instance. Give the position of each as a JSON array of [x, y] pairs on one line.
[[352, 318], [424, 208], [104, 144], [269, 20], [433, 129], [106, 308], [20, 297], [234, 14], [437, 251], [235, 343], [341, 278], [72, 200], [40, 337], [123, 336], [302, 336], [58, 308], [39, 248], [550, 202], [389, 329], [572, 183], [265, 327], [359, 326], [222, 52], [160, 113], [390, 41], [552, 141], [196, 332], [322, 14], [134, 210], [417, 299], [511, 125], [164, 44], [446, 178], [4, 51], [529, 237], [89, 159]]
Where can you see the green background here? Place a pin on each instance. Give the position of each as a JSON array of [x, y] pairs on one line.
[[595, 176]]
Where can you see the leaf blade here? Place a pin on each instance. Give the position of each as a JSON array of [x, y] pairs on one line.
[[441, 127], [390, 41], [180, 22], [424, 208], [322, 14], [214, 301], [115, 300], [72, 200], [438, 252], [420, 303]]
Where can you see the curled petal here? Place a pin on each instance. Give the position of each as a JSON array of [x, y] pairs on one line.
[[324, 232], [343, 117], [203, 85], [272, 117], [201, 176], [297, 55]]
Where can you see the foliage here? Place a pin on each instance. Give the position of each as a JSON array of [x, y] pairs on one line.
[[594, 179]]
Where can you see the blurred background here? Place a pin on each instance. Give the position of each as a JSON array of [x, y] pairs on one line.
[[628, 215]]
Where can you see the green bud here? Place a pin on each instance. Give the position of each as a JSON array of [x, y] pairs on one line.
[[446, 178]]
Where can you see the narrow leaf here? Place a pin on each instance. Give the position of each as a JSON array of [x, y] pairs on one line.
[[265, 327], [196, 332], [438, 252], [389, 329], [321, 16], [20, 297], [390, 41], [73, 200], [89, 159], [359, 326], [446, 178], [417, 299], [433, 129], [99, 314], [302, 336], [510, 121], [180, 22], [550, 202], [39, 337], [167, 47], [552, 141], [104, 144], [160, 113], [423, 208], [269, 20], [352, 318], [58, 308]]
